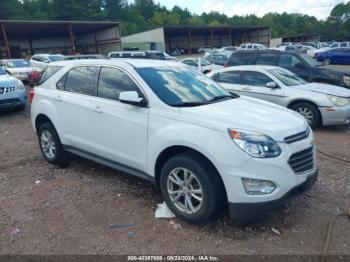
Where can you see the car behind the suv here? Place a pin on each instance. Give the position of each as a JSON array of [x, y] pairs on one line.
[[164, 122], [300, 64]]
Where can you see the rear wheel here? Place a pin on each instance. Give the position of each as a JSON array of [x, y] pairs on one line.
[[192, 188], [327, 61], [310, 112], [51, 146]]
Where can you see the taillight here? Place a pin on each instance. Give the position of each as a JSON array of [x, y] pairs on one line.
[[31, 95]]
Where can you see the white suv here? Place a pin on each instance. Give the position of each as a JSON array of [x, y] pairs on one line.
[[164, 122]]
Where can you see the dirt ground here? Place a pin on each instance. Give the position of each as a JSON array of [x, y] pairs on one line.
[[68, 211]]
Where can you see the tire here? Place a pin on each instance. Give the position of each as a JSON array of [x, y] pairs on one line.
[[48, 136], [205, 178], [310, 112], [327, 61]]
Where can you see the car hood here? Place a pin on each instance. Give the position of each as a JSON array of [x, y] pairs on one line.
[[325, 89], [6, 80], [249, 114]]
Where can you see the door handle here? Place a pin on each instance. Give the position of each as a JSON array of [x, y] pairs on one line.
[[97, 109], [247, 88], [58, 98]]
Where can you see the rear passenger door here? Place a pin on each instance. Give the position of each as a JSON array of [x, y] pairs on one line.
[[72, 100], [118, 131], [230, 80]]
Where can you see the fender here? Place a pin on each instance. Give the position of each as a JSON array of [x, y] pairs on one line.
[[188, 135], [47, 109]]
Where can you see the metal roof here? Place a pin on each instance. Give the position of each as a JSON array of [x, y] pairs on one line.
[[36, 29]]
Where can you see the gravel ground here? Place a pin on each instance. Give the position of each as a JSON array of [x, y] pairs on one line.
[[69, 211]]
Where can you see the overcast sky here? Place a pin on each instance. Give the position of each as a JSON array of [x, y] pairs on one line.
[[318, 8]]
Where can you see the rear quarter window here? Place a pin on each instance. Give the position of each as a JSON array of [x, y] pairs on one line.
[[48, 73]]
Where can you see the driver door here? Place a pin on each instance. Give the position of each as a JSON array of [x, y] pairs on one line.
[[254, 85], [118, 131], [294, 64]]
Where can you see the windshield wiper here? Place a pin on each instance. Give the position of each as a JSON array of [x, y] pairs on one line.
[[217, 98], [189, 104]]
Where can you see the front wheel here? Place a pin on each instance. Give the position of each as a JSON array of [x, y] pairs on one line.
[[192, 188], [310, 112]]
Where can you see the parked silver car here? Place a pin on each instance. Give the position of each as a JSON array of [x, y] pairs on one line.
[[320, 104]]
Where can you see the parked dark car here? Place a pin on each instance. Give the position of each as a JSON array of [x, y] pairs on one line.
[[335, 56], [298, 63], [218, 58]]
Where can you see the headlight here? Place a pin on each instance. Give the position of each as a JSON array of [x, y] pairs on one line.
[[346, 80], [255, 144], [20, 85], [338, 101]]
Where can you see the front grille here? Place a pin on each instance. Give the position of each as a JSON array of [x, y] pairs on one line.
[[302, 161], [297, 137], [9, 101]]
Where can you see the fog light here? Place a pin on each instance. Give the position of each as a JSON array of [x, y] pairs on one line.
[[258, 187]]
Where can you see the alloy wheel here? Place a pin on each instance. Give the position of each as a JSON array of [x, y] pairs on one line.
[[185, 190], [48, 144], [306, 112]]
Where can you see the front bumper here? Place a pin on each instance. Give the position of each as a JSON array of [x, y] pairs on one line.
[[335, 115], [13, 100], [251, 211]]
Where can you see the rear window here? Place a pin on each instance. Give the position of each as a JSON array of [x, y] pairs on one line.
[[242, 59], [50, 71]]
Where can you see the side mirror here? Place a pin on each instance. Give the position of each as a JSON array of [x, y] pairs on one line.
[[272, 85], [299, 66], [132, 98]]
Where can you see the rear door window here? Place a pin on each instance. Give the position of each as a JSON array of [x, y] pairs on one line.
[[229, 77], [267, 59], [81, 80]]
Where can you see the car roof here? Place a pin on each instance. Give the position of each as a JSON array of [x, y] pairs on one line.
[[249, 67], [137, 63]]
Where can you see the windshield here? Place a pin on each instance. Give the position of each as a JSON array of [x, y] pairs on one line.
[[287, 77], [205, 62], [312, 62], [54, 58], [2, 72], [182, 86], [18, 63]]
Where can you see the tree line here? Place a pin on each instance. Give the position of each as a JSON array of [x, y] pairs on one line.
[[142, 15]]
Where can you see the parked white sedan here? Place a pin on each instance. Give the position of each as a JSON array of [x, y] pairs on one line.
[[19, 68], [318, 103], [200, 64]]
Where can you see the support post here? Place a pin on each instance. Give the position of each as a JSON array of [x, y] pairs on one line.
[[189, 41], [169, 44], [8, 51], [96, 47], [71, 35]]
